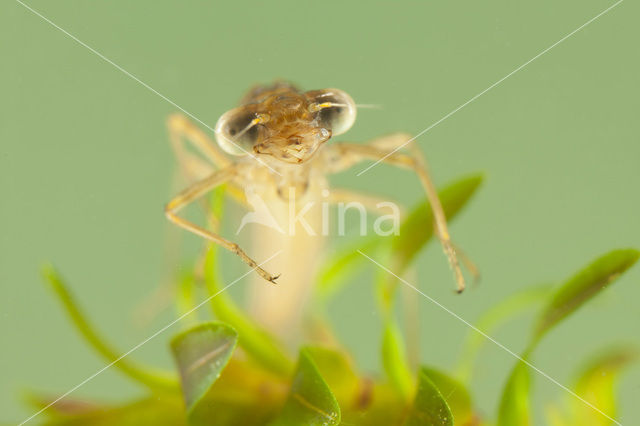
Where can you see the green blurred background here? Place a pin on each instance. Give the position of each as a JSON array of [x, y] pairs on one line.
[[85, 164]]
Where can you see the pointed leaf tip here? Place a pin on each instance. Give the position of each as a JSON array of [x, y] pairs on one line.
[[583, 286], [310, 401], [201, 353], [429, 406], [455, 394]]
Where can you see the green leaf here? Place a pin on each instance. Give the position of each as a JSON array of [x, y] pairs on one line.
[[583, 286], [515, 406], [310, 401], [159, 410], [394, 360], [596, 384], [257, 342], [429, 406], [201, 353], [495, 317], [416, 230], [337, 270], [337, 371], [155, 380], [457, 396], [244, 394]]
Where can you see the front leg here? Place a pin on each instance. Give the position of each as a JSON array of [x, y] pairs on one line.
[[343, 155], [194, 192]]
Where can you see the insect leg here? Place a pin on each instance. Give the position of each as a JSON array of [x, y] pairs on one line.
[[194, 192], [396, 140], [183, 132], [417, 164]]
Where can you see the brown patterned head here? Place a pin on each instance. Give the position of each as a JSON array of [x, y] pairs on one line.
[[284, 123]]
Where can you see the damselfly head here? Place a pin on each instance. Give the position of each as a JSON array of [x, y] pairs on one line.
[[284, 123]]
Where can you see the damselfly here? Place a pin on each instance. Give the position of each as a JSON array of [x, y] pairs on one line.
[[275, 146]]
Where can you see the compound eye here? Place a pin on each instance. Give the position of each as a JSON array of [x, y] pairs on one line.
[[334, 109], [238, 130]]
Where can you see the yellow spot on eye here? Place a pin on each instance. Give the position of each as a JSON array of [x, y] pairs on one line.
[[261, 118]]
